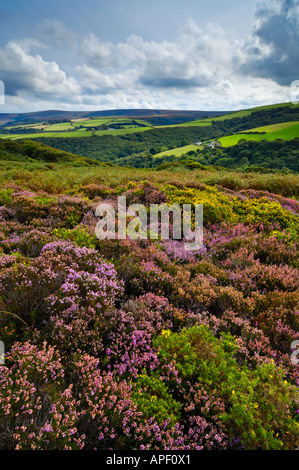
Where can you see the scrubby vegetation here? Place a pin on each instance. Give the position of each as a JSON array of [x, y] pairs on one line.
[[122, 344], [278, 154], [29, 151], [262, 156]]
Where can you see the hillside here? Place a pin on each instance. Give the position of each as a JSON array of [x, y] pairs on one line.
[[122, 341], [284, 131], [29, 151]]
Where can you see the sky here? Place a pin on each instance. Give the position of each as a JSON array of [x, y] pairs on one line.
[[162, 54]]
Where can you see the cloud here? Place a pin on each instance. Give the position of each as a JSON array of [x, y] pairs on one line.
[[22, 72], [102, 55], [95, 82], [28, 45], [191, 61], [273, 50], [202, 68]]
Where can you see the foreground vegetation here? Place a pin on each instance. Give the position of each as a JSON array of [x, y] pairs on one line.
[[122, 344]]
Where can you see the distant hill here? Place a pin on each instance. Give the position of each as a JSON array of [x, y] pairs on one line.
[[174, 115], [171, 116]]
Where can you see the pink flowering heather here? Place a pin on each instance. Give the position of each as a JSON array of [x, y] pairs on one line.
[[124, 345]]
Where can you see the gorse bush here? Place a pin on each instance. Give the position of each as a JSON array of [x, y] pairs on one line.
[[260, 407], [222, 207], [154, 400], [79, 235]]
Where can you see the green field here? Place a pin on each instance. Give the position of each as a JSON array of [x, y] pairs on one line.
[[273, 127], [177, 151], [59, 126], [110, 120], [247, 112], [32, 126], [197, 122], [129, 130], [80, 128], [89, 133], [77, 133], [92, 122], [285, 131], [29, 136]]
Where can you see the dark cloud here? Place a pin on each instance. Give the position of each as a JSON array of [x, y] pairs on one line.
[[174, 82], [274, 52]]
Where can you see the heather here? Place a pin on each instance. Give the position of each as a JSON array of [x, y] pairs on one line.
[[127, 344]]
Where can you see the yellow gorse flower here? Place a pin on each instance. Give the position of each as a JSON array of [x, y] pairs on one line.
[[165, 333]]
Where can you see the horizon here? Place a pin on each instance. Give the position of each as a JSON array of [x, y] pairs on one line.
[[166, 55], [143, 109]]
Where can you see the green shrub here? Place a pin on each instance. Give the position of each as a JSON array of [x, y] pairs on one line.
[[79, 235], [260, 405], [153, 399]]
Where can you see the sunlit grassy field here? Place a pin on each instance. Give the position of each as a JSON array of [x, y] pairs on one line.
[[81, 128], [177, 151], [247, 112], [285, 131]]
